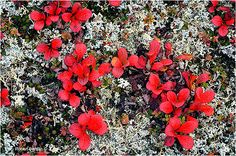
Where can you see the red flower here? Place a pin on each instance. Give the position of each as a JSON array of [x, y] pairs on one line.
[[174, 100], [154, 49], [154, 84], [201, 101], [214, 4], [88, 121], [120, 62], [114, 3], [223, 24], [50, 51], [39, 20], [4, 100], [66, 95], [190, 79], [177, 130], [53, 10], [76, 16]]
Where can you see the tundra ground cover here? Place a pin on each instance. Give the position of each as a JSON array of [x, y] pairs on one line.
[[117, 77]]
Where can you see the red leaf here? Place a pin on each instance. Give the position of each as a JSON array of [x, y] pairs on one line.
[[114, 3], [214, 2], [75, 26], [169, 131], [89, 61], [69, 60], [217, 20], [84, 142], [203, 78], [38, 25], [104, 68], [169, 85], [223, 30], [94, 75], [56, 43], [95, 122], [169, 141], [204, 97], [77, 6], [76, 130], [74, 100], [166, 107], [174, 122], [42, 47], [117, 72], [166, 62], [66, 17], [157, 66], [68, 85], [154, 49], [83, 119], [230, 22], [65, 75], [102, 130], [208, 110], [123, 56], [185, 141], [183, 94], [64, 95], [187, 57], [188, 127], [133, 60], [80, 50], [55, 53], [211, 9], [83, 15], [141, 63], [36, 16], [77, 86]]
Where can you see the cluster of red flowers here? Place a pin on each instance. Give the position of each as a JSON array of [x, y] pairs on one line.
[[58, 8], [4, 99], [223, 17], [174, 100]]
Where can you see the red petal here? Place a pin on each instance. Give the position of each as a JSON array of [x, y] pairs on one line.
[[203, 78], [56, 43], [83, 15], [169, 141], [77, 86], [217, 20], [101, 130], [223, 30], [75, 129], [117, 72], [104, 68], [84, 142], [187, 127], [66, 17], [187, 57], [75, 26], [80, 50], [64, 95], [166, 107], [83, 119], [114, 3], [185, 141], [38, 25], [74, 100], [175, 123], [133, 59], [69, 60], [36, 16]]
